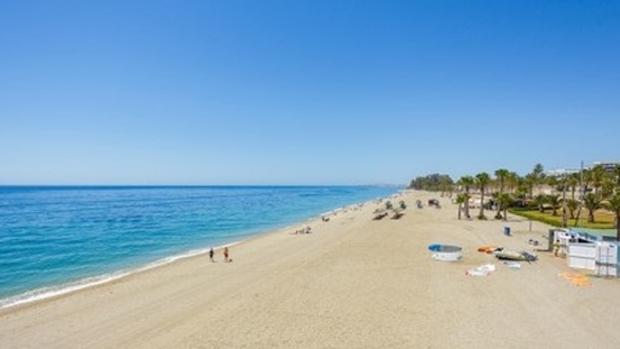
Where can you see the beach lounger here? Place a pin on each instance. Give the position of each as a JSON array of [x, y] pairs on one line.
[[397, 215], [380, 216]]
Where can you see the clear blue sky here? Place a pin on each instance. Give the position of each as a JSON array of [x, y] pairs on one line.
[[341, 92]]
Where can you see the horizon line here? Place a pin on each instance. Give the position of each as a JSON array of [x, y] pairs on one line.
[[201, 185]]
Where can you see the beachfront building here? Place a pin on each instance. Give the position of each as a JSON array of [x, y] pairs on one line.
[[608, 166], [562, 172]]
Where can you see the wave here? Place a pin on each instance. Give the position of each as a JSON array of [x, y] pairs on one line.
[[70, 287]]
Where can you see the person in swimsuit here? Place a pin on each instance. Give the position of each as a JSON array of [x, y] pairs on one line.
[[211, 254], [226, 254]]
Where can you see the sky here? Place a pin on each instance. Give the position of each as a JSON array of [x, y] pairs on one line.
[[303, 92]]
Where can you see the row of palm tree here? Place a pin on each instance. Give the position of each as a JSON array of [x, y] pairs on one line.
[[590, 189]]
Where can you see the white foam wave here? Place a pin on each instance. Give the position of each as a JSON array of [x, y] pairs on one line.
[[58, 290]]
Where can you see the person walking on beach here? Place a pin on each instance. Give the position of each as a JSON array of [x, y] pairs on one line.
[[226, 255], [211, 254]]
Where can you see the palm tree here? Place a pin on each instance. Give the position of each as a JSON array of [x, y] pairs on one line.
[[540, 200], [467, 182], [444, 184], [502, 175], [536, 177], [521, 195], [608, 185], [512, 180], [613, 204], [482, 180], [530, 182], [572, 206], [564, 207], [539, 171], [522, 189], [504, 201], [584, 180], [573, 181], [461, 199], [554, 201], [598, 175], [552, 182], [592, 202]]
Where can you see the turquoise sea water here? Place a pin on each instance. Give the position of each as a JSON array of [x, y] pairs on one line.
[[57, 237]]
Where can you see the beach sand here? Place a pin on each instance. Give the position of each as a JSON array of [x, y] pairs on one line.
[[352, 283]]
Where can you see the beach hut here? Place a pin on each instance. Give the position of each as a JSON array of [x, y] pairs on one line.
[[607, 259], [590, 252], [582, 255], [600, 257]]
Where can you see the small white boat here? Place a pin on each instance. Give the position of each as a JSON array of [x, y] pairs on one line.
[[446, 253]]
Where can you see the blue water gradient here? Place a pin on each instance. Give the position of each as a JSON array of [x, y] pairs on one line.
[[55, 235]]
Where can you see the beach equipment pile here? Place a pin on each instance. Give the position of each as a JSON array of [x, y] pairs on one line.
[[508, 255], [483, 270]]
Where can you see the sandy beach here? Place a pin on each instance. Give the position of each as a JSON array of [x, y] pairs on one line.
[[352, 283]]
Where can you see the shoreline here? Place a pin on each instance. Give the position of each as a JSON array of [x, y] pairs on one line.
[[47, 293], [64, 289], [354, 282]]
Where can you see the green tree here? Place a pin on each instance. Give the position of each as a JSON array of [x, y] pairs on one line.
[[530, 182], [608, 186], [482, 180], [502, 176], [540, 201], [539, 171], [572, 206], [466, 182], [572, 181], [564, 181], [613, 204], [537, 177], [445, 182], [504, 201], [461, 199], [512, 180], [554, 201], [432, 182], [553, 182], [585, 177], [598, 175], [592, 202]]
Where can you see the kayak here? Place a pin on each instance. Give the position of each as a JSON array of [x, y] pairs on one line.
[[487, 249], [507, 255]]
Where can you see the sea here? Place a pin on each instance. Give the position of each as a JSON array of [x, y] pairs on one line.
[[56, 239]]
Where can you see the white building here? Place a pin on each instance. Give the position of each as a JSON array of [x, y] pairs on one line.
[[607, 165]]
